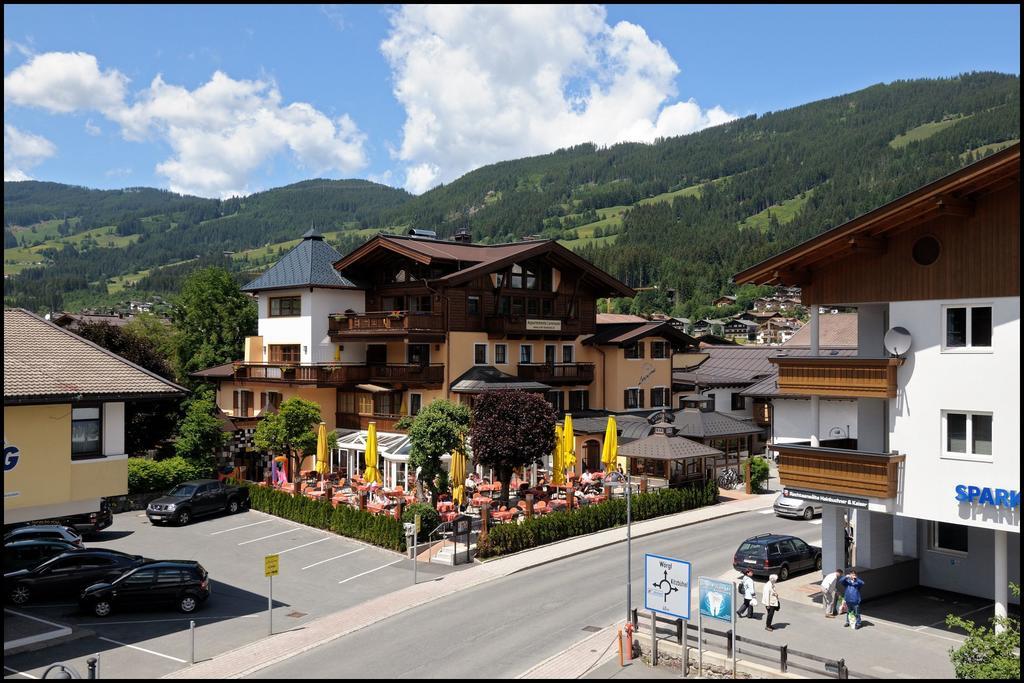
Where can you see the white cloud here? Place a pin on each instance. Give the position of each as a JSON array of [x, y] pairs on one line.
[[118, 172], [334, 15], [22, 151], [92, 129], [14, 46], [64, 82], [222, 134], [484, 83]]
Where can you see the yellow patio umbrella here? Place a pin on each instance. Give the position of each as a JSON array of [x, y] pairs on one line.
[[322, 450], [372, 474], [610, 449], [458, 475], [568, 445], [557, 473]]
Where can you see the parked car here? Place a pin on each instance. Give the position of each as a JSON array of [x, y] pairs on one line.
[[33, 552], [776, 554], [196, 498], [55, 532], [183, 584], [789, 506], [68, 574], [84, 523]]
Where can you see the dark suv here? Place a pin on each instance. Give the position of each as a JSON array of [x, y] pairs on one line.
[[776, 554], [183, 584]]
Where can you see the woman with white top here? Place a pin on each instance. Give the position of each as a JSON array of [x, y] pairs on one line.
[[770, 598]]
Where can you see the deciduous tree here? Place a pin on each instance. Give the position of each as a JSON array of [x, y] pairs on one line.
[[437, 429], [290, 432]]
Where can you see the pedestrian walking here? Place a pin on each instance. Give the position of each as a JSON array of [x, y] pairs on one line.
[[770, 598], [829, 593], [747, 591], [851, 595]]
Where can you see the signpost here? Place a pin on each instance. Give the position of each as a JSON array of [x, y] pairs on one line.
[[270, 570], [717, 600], [666, 591]]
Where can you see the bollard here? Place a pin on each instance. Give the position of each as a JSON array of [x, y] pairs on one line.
[[784, 658], [629, 641], [621, 660], [843, 671], [91, 663], [192, 634]]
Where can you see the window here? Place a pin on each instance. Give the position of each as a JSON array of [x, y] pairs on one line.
[[415, 403], [557, 400], [568, 351], [270, 400], [171, 576], [241, 405], [517, 276], [967, 327], [926, 250], [420, 304], [579, 400], [550, 354], [547, 308], [392, 303], [346, 402], [501, 354], [143, 577], [504, 306], [285, 306], [284, 353], [660, 397], [739, 402], [86, 432], [634, 398], [517, 305], [418, 354], [634, 350], [525, 353], [660, 349], [473, 305], [967, 436], [480, 354], [949, 538]]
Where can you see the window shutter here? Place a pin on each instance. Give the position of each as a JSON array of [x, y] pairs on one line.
[[234, 402], [625, 399], [263, 401], [640, 354], [640, 397]]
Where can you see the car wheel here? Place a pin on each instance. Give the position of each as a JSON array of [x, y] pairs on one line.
[[102, 608], [817, 562], [184, 517], [188, 604], [232, 507], [20, 595], [809, 513], [783, 573]]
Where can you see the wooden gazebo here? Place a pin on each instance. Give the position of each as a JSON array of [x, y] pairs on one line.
[[667, 455]]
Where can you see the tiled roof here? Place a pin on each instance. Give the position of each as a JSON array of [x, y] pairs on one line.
[[45, 363], [628, 332], [309, 264], [698, 424], [459, 251], [489, 378], [769, 385], [217, 371], [835, 330], [665, 447], [613, 318]]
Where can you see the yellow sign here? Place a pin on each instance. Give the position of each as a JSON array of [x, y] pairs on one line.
[[270, 565], [417, 523]]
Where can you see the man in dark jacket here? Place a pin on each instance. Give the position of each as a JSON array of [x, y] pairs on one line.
[[851, 595]]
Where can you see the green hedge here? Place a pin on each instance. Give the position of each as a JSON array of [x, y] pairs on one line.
[[150, 476], [381, 530], [556, 526]]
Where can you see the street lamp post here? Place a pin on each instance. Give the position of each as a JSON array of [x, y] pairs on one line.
[[629, 545]]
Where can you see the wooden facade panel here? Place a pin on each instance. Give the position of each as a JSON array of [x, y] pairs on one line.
[[980, 257], [840, 376], [828, 471]]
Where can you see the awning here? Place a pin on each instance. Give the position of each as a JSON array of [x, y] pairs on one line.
[[373, 388]]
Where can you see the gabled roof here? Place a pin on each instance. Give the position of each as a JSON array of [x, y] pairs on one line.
[[628, 333], [44, 363], [489, 378], [697, 424], [309, 264], [839, 330], [617, 318]]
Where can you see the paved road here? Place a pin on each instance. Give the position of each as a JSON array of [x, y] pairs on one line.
[[504, 627]]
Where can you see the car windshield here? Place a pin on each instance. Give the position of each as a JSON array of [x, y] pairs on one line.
[[183, 490]]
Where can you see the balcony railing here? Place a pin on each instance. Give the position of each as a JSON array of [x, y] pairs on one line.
[[337, 374], [557, 373], [837, 376], [384, 324], [839, 470], [385, 423]]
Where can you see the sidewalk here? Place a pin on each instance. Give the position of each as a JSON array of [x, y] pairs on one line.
[[23, 631], [279, 647]]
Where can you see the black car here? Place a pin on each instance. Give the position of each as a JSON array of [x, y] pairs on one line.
[[32, 553], [183, 584], [769, 554], [68, 574], [84, 523], [56, 532], [195, 498]]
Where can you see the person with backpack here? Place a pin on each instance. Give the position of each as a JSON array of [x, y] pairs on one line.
[[747, 591]]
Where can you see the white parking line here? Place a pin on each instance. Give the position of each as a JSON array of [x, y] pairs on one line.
[[282, 552], [142, 649], [158, 621], [371, 571], [768, 511], [352, 552], [816, 522], [241, 527], [20, 673], [263, 538]]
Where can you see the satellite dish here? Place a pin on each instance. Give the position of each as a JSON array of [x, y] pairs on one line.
[[897, 341]]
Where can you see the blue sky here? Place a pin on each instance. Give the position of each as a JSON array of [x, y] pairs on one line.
[[413, 96]]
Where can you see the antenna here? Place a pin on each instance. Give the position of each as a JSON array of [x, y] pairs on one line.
[[897, 341]]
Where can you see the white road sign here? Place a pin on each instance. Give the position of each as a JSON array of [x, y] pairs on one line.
[[667, 586]]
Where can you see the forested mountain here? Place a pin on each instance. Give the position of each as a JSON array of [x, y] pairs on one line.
[[684, 213]]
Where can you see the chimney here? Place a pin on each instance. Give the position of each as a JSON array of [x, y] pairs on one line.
[[463, 236]]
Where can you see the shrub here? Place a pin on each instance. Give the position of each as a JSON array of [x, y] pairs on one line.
[[759, 473], [556, 526], [150, 476], [380, 530], [986, 653], [429, 519]]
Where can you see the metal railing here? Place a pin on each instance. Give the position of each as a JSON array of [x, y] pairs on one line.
[[460, 526]]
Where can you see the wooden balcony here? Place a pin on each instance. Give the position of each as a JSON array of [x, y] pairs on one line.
[[412, 374], [385, 423], [289, 373], [425, 326], [839, 470], [337, 374], [557, 373], [848, 376], [503, 325]]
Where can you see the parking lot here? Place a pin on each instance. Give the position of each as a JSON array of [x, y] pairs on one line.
[[320, 573]]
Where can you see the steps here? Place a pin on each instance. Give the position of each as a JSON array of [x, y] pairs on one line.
[[448, 555]]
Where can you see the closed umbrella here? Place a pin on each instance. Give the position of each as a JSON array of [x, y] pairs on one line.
[[610, 449], [557, 472], [321, 451], [568, 445], [372, 474], [458, 476]]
